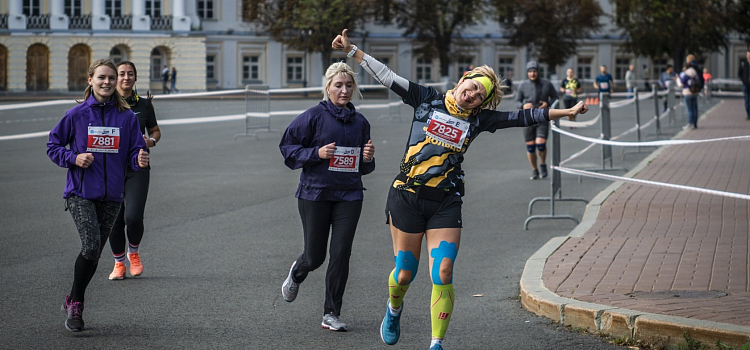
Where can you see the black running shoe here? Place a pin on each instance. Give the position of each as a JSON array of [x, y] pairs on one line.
[[534, 174], [543, 169]]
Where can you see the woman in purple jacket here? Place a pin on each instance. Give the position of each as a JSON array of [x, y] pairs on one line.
[[103, 139], [331, 143]]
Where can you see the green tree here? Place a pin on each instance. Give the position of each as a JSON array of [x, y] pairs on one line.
[[741, 19], [437, 26], [305, 25], [654, 28], [551, 29]]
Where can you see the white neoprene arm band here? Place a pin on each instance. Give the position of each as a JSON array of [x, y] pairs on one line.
[[382, 73]]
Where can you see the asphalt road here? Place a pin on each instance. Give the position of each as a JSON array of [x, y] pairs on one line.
[[222, 229]]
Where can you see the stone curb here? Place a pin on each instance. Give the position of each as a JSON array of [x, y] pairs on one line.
[[609, 320]]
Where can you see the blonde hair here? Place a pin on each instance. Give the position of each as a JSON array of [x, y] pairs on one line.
[[497, 85], [118, 99], [339, 68], [690, 58]]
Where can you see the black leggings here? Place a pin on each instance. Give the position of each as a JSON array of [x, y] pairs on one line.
[[94, 220], [318, 218], [131, 213]]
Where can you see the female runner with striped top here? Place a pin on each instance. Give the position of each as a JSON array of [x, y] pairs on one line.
[[425, 198]]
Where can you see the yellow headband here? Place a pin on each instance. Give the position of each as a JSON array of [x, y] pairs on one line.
[[488, 86]]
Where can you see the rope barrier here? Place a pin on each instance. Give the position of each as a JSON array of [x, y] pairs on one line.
[[651, 183], [647, 143]]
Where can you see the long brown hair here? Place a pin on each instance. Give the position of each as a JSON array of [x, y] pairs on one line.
[[119, 101]]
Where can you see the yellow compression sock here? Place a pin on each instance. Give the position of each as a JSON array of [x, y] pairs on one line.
[[441, 309], [395, 291]]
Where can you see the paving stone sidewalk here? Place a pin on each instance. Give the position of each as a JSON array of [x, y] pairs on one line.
[[653, 261]]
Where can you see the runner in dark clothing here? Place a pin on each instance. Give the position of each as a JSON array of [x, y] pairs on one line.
[[331, 144], [136, 182]]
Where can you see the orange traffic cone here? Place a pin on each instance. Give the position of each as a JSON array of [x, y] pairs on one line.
[[596, 101]]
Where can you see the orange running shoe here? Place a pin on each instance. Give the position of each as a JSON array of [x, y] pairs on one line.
[[136, 268], [119, 272]]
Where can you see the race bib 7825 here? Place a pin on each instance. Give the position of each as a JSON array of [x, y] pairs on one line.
[[447, 128]]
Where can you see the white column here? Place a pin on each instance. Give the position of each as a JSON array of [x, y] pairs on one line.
[[58, 19], [141, 22], [99, 20], [16, 18], [180, 22], [97, 7]]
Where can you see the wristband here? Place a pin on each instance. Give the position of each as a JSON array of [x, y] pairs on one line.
[[153, 140], [352, 52]]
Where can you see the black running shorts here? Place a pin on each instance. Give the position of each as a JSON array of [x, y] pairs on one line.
[[417, 215], [531, 133]]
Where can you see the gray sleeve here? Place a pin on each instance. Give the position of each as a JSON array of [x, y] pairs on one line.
[[519, 96], [382, 73], [552, 92]]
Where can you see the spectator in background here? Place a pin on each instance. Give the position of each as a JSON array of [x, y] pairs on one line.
[[164, 80], [603, 82], [630, 83], [173, 81], [745, 77], [690, 90], [665, 80]]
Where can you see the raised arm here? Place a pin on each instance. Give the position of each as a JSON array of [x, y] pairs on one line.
[[375, 68]]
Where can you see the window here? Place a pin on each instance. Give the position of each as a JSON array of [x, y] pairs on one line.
[[424, 70], [621, 67], [153, 8], [117, 54], [505, 67], [250, 68], [158, 60], [294, 69], [463, 64], [583, 70], [73, 8], [32, 7], [211, 67], [113, 8], [206, 9], [544, 71]]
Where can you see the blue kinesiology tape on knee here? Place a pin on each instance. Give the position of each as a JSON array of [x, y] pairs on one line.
[[530, 148], [405, 261], [541, 146], [444, 250]]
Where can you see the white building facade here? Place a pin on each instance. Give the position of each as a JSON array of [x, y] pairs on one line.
[[46, 45]]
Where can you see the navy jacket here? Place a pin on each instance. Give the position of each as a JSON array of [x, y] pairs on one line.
[[317, 127]]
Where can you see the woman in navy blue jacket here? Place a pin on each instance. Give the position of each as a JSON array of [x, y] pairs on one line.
[[331, 143]]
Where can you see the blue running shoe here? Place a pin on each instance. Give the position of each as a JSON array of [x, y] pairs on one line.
[[437, 346], [390, 330]]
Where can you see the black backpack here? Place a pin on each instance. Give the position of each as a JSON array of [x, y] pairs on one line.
[[695, 84]]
